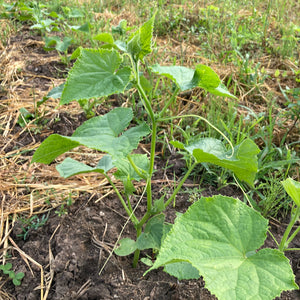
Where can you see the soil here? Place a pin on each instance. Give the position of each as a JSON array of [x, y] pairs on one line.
[[72, 248]]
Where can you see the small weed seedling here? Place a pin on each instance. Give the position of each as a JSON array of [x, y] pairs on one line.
[[217, 237], [16, 277], [32, 223]]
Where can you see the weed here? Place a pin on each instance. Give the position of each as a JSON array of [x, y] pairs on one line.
[[30, 224], [16, 277]]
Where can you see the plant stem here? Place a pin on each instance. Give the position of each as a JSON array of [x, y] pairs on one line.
[[284, 243], [136, 255], [293, 235], [132, 216], [182, 181]]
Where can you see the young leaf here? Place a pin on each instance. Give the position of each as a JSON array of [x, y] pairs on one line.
[[100, 133], [219, 236], [243, 162], [152, 236], [127, 246], [140, 43], [96, 73]]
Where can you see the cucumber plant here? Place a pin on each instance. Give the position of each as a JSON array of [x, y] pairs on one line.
[[110, 70]]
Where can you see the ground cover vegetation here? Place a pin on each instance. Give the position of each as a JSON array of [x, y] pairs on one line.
[[94, 76]]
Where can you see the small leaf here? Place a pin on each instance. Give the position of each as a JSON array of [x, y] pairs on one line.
[[205, 78], [147, 261], [140, 43], [152, 236], [127, 246], [158, 205], [96, 73], [292, 187], [20, 275], [187, 79], [83, 28], [214, 236]]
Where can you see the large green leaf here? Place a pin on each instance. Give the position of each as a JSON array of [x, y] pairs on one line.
[[243, 162], [140, 43], [182, 76], [96, 73], [186, 78], [102, 133], [219, 236]]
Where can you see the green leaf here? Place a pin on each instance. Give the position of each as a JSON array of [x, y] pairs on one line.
[[292, 187], [152, 236], [70, 167], [182, 270], [52, 147], [56, 91], [140, 43], [96, 73], [76, 53], [243, 162], [127, 246], [182, 76], [20, 275], [215, 236], [83, 28], [187, 79], [205, 78], [125, 169], [104, 37], [101, 133], [6, 268]]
